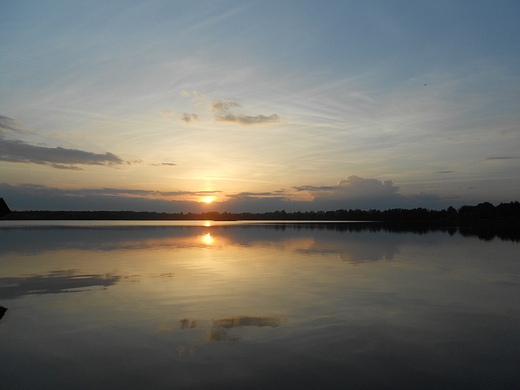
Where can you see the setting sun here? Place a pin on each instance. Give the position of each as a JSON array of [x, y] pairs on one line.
[[208, 199]]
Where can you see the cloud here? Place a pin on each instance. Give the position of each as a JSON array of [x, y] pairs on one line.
[[355, 192], [351, 193], [38, 189], [70, 167], [256, 195], [501, 158], [247, 119], [9, 124], [354, 186], [166, 164], [188, 118], [37, 197], [220, 105], [22, 152], [445, 172], [221, 113], [120, 191], [17, 151]]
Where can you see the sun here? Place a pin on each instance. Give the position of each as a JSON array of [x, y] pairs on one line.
[[208, 199]]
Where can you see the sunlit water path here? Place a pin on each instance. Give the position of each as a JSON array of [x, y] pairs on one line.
[[223, 305]]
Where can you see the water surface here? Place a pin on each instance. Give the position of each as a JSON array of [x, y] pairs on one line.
[[205, 305]]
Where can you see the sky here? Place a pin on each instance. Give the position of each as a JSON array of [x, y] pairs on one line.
[[258, 105]]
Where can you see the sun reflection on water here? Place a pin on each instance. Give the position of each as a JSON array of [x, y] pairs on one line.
[[207, 239]]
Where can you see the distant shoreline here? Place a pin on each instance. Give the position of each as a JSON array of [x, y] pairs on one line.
[[483, 213]]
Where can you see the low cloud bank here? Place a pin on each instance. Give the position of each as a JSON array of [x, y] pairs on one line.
[[22, 152], [355, 192], [17, 151], [351, 193]]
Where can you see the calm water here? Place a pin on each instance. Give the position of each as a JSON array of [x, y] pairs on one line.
[[123, 305]]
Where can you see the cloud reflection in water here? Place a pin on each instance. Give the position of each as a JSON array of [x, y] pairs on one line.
[[55, 282]]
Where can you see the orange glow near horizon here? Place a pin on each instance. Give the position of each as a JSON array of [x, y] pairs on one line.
[[208, 199]]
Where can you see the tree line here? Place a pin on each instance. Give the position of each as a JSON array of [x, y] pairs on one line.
[[465, 215]]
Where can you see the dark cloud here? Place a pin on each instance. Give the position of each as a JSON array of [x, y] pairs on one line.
[[68, 167], [445, 172], [37, 197], [354, 186], [188, 118], [247, 119], [501, 158], [22, 152], [352, 193], [176, 193], [220, 105], [9, 124], [248, 195], [221, 109], [122, 191], [355, 192], [166, 164], [17, 151], [313, 188]]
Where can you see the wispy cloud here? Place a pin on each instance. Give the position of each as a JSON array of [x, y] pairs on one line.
[[122, 191], [165, 164], [222, 113], [501, 158], [69, 167], [247, 120], [354, 185], [39, 189], [188, 118], [220, 105], [445, 172], [251, 195], [9, 124]]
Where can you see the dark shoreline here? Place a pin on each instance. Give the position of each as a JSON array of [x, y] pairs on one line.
[[483, 213]]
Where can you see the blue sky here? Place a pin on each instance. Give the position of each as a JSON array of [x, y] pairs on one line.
[[261, 105]]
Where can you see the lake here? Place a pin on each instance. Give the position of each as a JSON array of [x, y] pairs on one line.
[[255, 305]]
